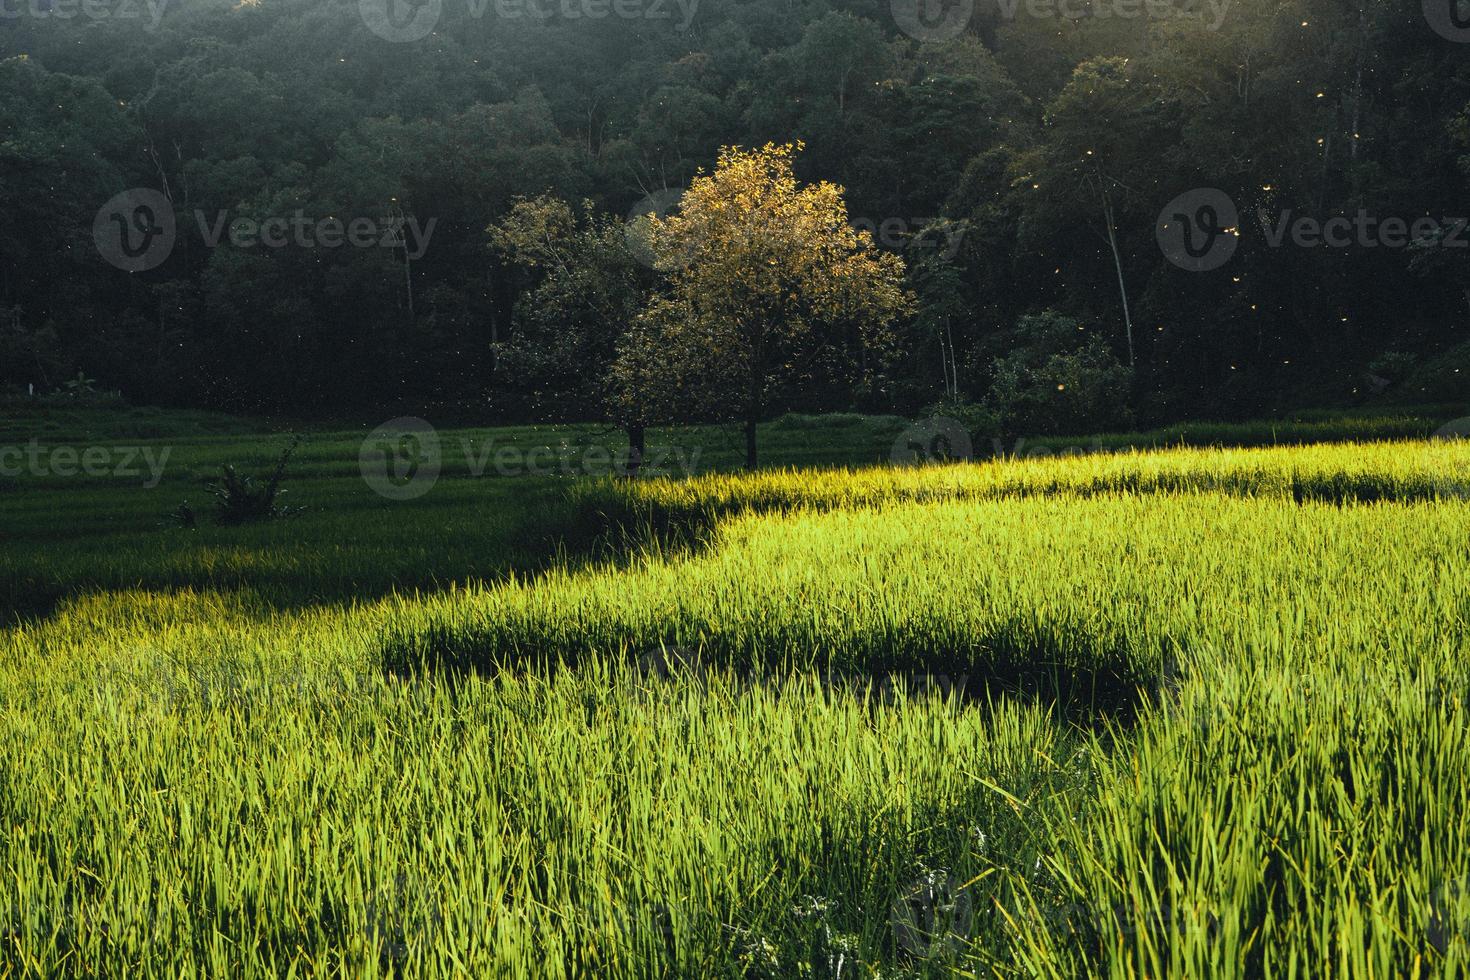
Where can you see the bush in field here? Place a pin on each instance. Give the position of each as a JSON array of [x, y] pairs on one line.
[[1059, 381], [1393, 366], [244, 499], [980, 422]]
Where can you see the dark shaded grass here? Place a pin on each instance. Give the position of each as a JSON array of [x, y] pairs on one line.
[[1084, 678]]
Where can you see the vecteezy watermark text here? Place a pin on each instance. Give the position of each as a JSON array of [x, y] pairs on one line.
[[121, 462], [899, 234], [303, 232], [1363, 230], [945, 20], [90, 10], [1200, 230], [946, 440], [404, 21], [404, 458], [1211, 13], [138, 229]]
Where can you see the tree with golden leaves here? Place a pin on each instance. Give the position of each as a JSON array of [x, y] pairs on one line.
[[769, 291]]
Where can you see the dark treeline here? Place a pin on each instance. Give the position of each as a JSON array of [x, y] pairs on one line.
[[1019, 160]]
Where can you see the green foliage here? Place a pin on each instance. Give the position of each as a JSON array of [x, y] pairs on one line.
[[1444, 377], [80, 387], [1051, 142], [587, 287], [1058, 380], [1393, 365], [184, 516], [982, 423], [244, 499]]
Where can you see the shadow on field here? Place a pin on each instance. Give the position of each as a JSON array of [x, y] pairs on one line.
[[354, 553], [1079, 680], [1028, 656]]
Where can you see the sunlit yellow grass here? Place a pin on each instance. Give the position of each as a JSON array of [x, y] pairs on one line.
[[1407, 470]]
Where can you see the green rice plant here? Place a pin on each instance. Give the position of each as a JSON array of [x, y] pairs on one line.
[[1183, 713], [1275, 822], [1357, 472], [174, 810], [1106, 589]]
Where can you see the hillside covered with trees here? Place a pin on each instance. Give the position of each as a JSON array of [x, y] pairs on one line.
[[1028, 162]]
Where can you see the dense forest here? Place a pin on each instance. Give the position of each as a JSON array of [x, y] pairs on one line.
[[331, 182]]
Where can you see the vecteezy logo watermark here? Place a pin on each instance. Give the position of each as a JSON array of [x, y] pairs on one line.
[[1455, 484], [403, 459], [303, 232], [1199, 230], [591, 10], [931, 918], [636, 925], [1363, 230], [1189, 694], [93, 10], [1449, 18], [897, 234], [121, 462], [935, 440], [638, 229], [135, 231], [1448, 919], [400, 459], [1079, 10], [932, 20], [401, 21]]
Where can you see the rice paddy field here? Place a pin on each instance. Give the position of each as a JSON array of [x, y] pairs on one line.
[[1142, 713]]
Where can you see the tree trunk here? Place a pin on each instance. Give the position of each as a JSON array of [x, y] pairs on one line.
[[1358, 83], [408, 276], [944, 364], [1118, 264], [954, 365], [637, 445], [750, 457]]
